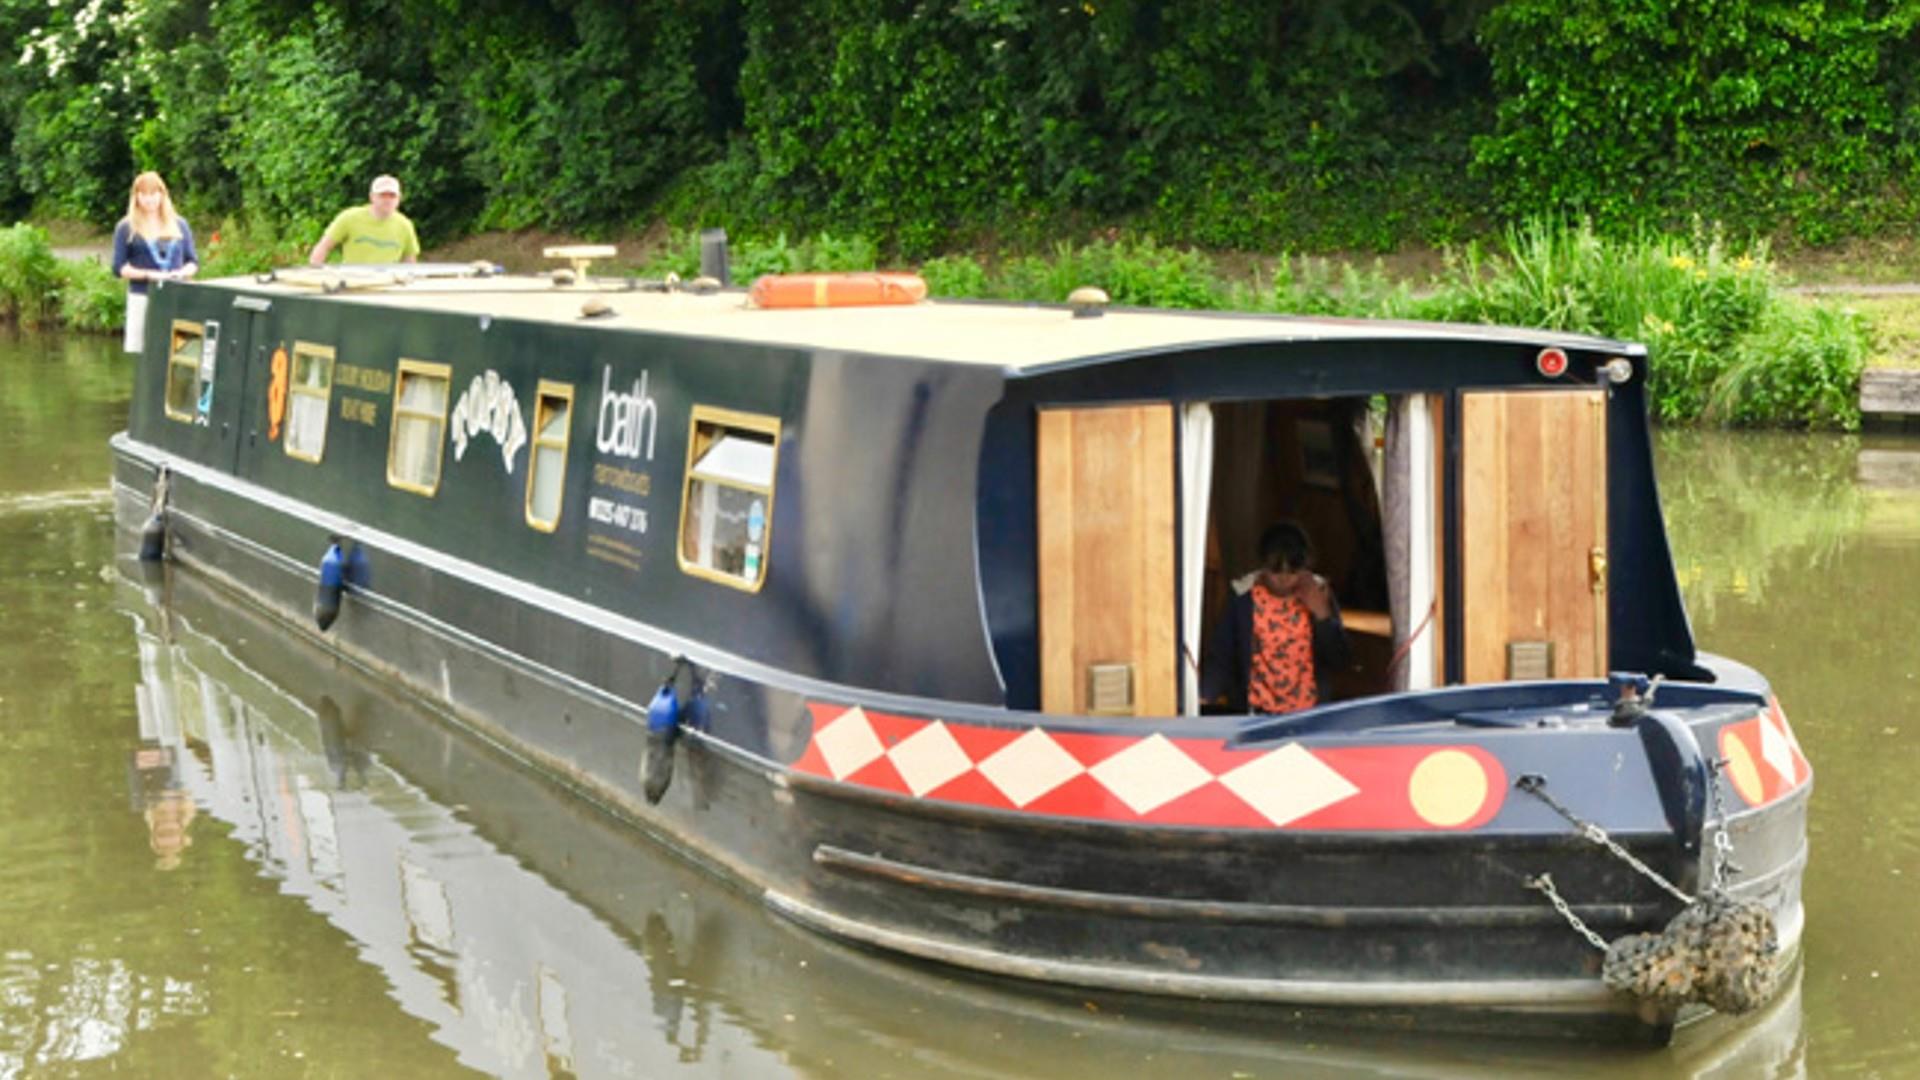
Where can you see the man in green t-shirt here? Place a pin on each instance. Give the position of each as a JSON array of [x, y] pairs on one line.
[[375, 233]]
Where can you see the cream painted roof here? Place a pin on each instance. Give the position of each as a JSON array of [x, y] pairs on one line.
[[1002, 335]]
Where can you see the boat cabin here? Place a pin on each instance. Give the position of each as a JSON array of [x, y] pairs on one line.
[[1016, 506]]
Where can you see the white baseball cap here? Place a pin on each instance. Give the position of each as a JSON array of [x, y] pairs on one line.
[[384, 183]]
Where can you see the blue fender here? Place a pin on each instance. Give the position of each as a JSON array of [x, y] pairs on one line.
[[326, 599], [663, 727], [359, 567]]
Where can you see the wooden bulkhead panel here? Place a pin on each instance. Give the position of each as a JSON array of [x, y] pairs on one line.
[[1106, 537], [1533, 533]]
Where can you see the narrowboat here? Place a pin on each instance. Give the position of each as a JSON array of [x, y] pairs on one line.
[[898, 609], [529, 930]]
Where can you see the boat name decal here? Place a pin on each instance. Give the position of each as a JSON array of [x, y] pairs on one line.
[[628, 421], [489, 406], [1156, 780], [372, 380], [356, 410], [359, 411]]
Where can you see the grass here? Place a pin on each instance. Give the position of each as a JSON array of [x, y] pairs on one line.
[[1895, 319]]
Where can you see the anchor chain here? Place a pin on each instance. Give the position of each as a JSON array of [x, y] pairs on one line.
[[1722, 842], [1717, 950], [1536, 786], [1544, 884]]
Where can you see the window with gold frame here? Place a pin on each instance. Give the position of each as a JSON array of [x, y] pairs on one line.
[[726, 505], [547, 463], [418, 443], [184, 344], [309, 396]]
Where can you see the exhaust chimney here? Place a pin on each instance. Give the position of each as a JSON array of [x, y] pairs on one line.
[[713, 255]]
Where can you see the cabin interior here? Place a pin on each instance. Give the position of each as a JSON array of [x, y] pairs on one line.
[[1148, 514]]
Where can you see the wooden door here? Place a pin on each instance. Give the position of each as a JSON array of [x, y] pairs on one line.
[[1533, 534], [1106, 535]]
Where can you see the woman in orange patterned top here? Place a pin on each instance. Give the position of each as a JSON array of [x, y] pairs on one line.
[[1281, 637]]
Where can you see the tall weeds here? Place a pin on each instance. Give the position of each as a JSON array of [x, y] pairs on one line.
[[29, 276]]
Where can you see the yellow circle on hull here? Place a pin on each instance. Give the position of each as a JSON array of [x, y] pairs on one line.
[[1448, 788]]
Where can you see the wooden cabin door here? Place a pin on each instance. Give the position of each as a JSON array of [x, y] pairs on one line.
[[1108, 637], [1533, 532]]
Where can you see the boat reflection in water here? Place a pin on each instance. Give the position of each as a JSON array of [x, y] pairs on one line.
[[541, 937]]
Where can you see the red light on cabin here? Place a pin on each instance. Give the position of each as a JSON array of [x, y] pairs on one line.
[[1551, 362]]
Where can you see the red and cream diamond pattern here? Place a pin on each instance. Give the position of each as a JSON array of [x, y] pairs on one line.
[[1153, 778], [1763, 758]]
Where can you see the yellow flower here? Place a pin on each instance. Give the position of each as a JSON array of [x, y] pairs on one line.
[[1681, 262], [1700, 275], [1743, 263]]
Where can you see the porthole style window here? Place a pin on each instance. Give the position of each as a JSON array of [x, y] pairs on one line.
[[419, 426], [184, 344], [308, 397], [726, 508], [547, 465]]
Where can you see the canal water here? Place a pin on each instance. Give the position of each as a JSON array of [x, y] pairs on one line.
[[224, 854]]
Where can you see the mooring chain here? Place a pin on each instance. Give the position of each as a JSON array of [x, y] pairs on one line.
[[1722, 843], [1536, 785], [1544, 883], [1717, 951]]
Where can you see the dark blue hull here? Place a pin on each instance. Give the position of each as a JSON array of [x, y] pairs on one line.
[[896, 821]]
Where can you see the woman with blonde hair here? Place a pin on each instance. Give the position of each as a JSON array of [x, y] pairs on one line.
[[152, 243]]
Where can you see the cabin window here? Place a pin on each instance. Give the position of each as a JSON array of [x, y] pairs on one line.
[[727, 507], [547, 470], [184, 346], [308, 397], [419, 426]]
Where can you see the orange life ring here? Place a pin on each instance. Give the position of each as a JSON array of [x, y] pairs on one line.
[[836, 290]]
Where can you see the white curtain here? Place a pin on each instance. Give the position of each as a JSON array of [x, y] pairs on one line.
[[1409, 509], [1196, 487]]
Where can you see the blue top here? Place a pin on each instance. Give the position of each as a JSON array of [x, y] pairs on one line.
[[130, 248]]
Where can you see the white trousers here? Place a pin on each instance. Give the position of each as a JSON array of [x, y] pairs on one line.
[[136, 336]]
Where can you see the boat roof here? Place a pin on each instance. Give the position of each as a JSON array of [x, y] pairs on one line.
[[1004, 335]]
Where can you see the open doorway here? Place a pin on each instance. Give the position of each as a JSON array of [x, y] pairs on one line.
[[1316, 463]]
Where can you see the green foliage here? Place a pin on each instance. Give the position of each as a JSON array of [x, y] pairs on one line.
[[1768, 112], [582, 116], [181, 125], [65, 100], [1309, 286], [1725, 343], [1238, 125], [1303, 125], [1802, 364], [1141, 273], [90, 297], [318, 110], [29, 275], [751, 258], [237, 248], [958, 276]]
